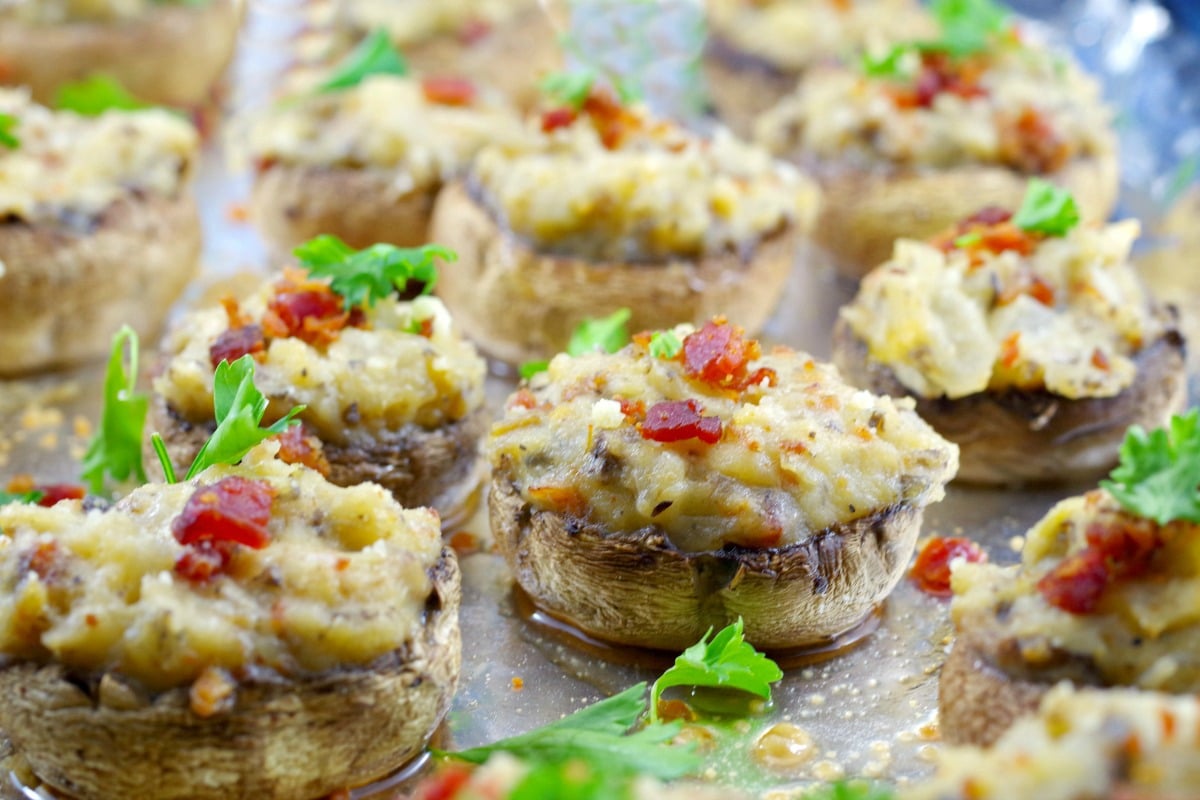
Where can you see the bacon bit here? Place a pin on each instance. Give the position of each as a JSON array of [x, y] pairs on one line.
[[54, 493], [313, 316], [233, 312], [931, 571], [798, 448], [1030, 285], [518, 683], [445, 784], [612, 121], [342, 564], [523, 398], [265, 163], [1030, 144], [298, 446], [448, 90], [474, 30], [1077, 584], [43, 560], [464, 543], [1115, 551], [234, 509], [989, 215], [557, 118], [426, 328], [237, 212], [212, 693], [564, 499], [1100, 361], [1168, 724], [1010, 350], [718, 355], [634, 410], [92, 620], [940, 74], [204, 561], [642, 339], [234, 343], [677, 421]]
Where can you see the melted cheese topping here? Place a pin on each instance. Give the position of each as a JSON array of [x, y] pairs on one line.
[[412, 21], [386, 122], [381, 377], [57, 11], [946, 327], [1080, 746], [68, 165], [794, 458], [793, 34], [662, 192], [343, 581], [839, 113], [1146, 630]]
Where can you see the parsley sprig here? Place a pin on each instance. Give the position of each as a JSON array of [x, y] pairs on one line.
[[1158, 476], [7, 498], [375, 55], [599, 734], [95, 95], [728, 661], [363, 277], [1047, 209], [238, 407], [665, 344], [116, 449], [594, 334], [966, 27], [8, 126], [572, 88]]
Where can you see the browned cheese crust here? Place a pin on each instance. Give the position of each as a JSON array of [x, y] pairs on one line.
[[65, 290], [441, 467], [863, 212], [638, 589], [172, 56], [294, 203], [519, 304], [285, 739], [742, 85], [1014, 437]]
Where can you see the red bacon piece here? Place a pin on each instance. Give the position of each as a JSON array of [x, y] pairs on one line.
[[931, 571], [677, 421], [234, 343], [234, 509]]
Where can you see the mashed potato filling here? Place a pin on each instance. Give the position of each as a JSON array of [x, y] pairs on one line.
[[790, 459], [1080, 745], [374, 379], [1145, 631], [68, 165], [838, 112], [660, 192], [1069, 318], [412, 21], [385, 122], [342, 581]]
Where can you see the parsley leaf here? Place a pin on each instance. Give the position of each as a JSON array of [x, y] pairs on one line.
[[968, 239], [572, 780], [22, 497], [597, 736], [569, 88], [374, 55], [1158, 476], [8, 138], [116, 449], [968, 25], [95, 95], [895, 63], [366, 276], [665, 345], [726, 662], [605, 335], [850, 790], [1047, 209], [238, 407]]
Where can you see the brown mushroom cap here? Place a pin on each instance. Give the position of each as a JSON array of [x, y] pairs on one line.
[[172, 55], [437, 467], [286, 739], [519, 304], [863, 212], [292, 203], [1035, 436], [64, 290], [638, 589]]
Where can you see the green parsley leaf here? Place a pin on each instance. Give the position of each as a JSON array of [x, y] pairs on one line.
[[22, 497], [726, 662], [116, 449], [597, 735], [239, 408], [569, 88], [606, 334], [374, 55], [968, 25], [968, 239], [8, 124], [573, 780], [1047, 209], [665, 344], [531, 368], [1158, 476], [95, 95], [895, 63], [367, 276], [850, 790]]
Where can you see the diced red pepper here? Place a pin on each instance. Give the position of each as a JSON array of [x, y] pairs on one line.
[[679, 420], [56, 492], [444, 784], [931, 571], [234, 343], [448, 90], [234, 509], [557, 118]]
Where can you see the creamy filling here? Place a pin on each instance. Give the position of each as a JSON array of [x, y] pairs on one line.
[[412, 21]]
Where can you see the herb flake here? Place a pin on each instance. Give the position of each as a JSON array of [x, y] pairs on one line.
[[375, 55], [363, 277], [1158, 476], [968, 26], [1047, 209], [116, 449], [665, 345], [603, 334], [8, 126], [8, 498], [95, 95]]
